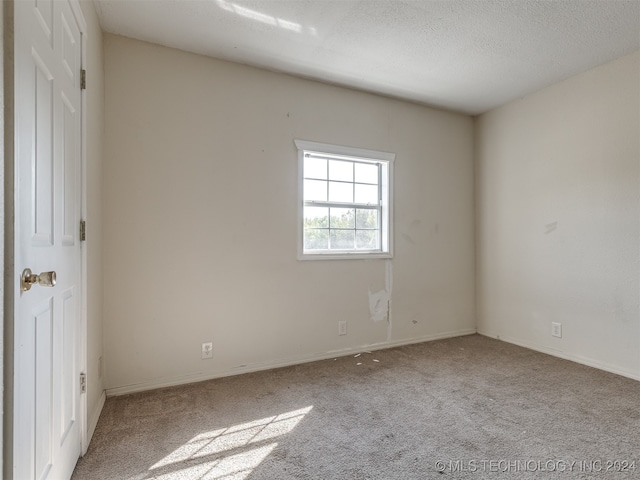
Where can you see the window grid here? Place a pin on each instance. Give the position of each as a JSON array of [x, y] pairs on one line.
[[347, 205], [357, 180]]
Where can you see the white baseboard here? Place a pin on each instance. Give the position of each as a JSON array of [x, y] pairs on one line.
[[590, 362], [95, 416], [256, 367]]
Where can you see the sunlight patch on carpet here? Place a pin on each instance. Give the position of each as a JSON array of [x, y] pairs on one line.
[[232, 467], [228, 453]]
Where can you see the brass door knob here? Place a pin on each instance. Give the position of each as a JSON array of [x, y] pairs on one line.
[[45, 279]]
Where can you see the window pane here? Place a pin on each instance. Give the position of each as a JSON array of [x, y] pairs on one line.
[[342, 239], [367, 239], [366, 173], [339, 170], [342, 218], [340, 192], [315, 190], [367, 194], [316, 217], [366, 218], [315, 168], [316, 239], [346, 202]]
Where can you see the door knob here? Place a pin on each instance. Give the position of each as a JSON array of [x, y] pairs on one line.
[[45, 279]]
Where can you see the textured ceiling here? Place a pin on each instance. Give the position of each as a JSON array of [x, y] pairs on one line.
[[464, 55]]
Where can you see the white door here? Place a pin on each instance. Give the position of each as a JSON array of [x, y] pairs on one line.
[[48, 194]]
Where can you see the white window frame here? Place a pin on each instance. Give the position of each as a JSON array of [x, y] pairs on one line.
[[386, 160]]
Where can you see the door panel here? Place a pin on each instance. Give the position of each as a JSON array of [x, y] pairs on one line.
[[67, 410], [43, 161], [43, 12], [43, 392], [70, 173], [48, 203], [70, 48]]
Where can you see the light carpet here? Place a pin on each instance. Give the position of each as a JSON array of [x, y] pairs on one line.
[[468, 407]]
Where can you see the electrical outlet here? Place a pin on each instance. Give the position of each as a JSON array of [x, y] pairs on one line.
[[207, 350], [342, 327], [556, 329]]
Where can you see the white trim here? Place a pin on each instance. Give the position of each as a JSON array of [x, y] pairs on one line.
[[590, 362], [386, 210], [82, 364], [260, 366], [299, 198], [95, 416], [342, 256], [3, 163], [346, 151]]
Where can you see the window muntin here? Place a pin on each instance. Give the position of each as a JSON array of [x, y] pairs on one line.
[[344, 202]]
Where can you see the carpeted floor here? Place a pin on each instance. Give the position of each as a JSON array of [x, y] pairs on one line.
[[468, 407]]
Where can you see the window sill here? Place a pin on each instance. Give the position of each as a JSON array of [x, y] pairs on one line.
[[343, 256]]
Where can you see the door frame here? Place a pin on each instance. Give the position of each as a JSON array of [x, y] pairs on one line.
[[4, 155], [9, 282], [8, 285], [82, 330]]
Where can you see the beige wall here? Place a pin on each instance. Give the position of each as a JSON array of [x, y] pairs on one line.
[[200, 187], [558, 193], [93, 182]]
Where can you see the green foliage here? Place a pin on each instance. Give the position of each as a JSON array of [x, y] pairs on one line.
[[347, 228]]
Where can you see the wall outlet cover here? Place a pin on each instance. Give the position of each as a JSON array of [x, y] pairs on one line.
[[342, 327], [207, 350]]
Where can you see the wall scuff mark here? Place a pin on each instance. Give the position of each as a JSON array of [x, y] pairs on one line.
[[550, 227], [408, 238]]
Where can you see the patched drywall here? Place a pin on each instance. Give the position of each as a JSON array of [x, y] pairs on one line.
[[379, 305], [558, 216], [380, 302], [200, 214]]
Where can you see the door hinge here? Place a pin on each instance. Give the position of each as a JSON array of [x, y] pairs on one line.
[[83, 383], [83, 79], [83, 231]]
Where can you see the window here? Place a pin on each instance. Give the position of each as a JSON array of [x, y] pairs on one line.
[[344, 201]]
